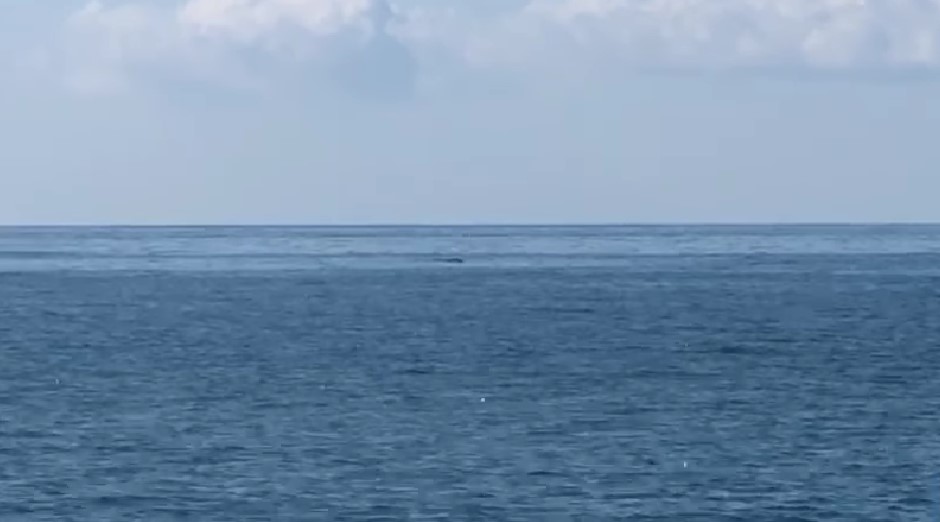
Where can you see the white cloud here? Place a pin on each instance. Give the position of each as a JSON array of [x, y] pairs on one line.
[[252, 19], [109, 43], [200, 37], [735, 33]]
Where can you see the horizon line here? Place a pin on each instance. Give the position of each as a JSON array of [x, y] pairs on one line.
[[587, 224]]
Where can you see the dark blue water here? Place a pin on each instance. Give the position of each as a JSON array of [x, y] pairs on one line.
[[556, 374]]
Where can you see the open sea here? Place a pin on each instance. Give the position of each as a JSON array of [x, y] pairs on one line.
[[726, 373]]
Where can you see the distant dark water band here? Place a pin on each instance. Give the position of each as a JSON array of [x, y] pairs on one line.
[[768, 256]]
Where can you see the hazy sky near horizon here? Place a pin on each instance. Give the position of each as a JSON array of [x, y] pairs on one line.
[[482, 111]]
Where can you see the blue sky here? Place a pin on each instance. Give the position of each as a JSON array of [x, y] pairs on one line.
[[506, 111]]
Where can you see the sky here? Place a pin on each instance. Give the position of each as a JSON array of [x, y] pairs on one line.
[[476, 112]]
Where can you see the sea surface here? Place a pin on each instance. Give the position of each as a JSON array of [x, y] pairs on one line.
[[470, 374]]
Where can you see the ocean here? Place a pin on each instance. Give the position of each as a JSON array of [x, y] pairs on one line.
[[648, 373]]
